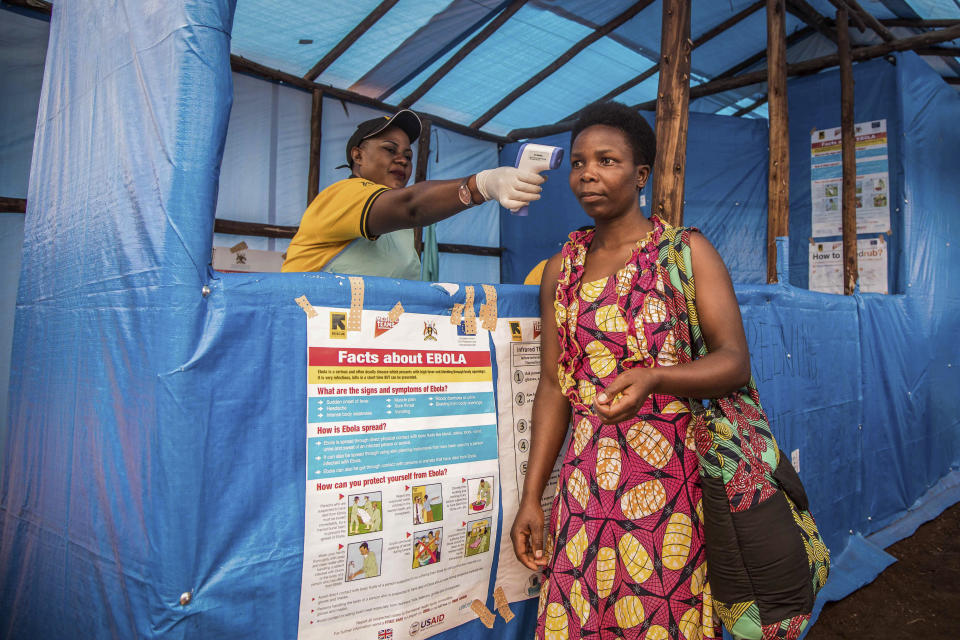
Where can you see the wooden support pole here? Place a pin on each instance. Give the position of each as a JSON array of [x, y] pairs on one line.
[[848, 156], [316, 119], [671, 121], [778, 189], [423, 159], [13, 205]]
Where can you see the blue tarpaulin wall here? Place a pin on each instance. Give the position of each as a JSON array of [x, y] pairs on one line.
[[155, 444]]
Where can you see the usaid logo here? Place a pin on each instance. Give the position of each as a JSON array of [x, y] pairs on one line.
[[425, 624]]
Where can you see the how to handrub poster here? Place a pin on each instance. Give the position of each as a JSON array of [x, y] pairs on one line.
[[402, 476], [826, 266], [872, 186]]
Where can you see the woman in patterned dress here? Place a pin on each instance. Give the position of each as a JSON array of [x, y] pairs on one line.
[[623, 554]]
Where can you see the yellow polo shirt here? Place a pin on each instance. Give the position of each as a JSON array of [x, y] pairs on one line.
[[333, 236]]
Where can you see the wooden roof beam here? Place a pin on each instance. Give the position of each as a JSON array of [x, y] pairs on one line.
[[844, 6], [946, 52], [875, 25], [40, 6], [703, 38], [242, 65], [762, 100], [561, 60], [808, 67], [462, 53], [918, 24], [813, 19], [567, 124], [349, 39]]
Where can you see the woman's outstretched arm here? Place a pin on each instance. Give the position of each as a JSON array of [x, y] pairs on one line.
[[724, 369], [551, 415]]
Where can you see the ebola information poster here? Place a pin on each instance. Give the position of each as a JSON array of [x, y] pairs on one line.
[[401, 476], [873, 179], [517, 347], [826, 266]]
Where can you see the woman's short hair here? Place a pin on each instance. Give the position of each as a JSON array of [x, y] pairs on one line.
[[639, 134]]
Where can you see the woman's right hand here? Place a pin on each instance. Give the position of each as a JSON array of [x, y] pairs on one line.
[[527, 535]]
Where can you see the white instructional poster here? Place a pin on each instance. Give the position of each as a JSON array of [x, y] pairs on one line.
[[517, 345], [873, 179], [402, 476], [826, 266]]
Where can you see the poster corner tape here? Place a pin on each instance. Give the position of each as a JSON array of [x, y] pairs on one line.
[[502, 605], [469, 316], [306, 306], [240, 246], [396, 312], [488, 310], [356, 303], [486, 616], [456, 314]]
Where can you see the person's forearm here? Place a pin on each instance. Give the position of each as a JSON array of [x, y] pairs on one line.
[[430, 201], [551, 416], [712, 376]]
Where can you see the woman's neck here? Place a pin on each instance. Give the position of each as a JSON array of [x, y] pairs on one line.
[[627, 229]]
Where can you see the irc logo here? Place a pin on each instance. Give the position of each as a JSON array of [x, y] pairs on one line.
[[338, 325]]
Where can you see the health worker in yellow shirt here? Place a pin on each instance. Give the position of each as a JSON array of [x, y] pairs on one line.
[[364, 224]]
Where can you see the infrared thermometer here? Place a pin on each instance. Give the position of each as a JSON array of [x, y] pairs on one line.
[[537, 158]]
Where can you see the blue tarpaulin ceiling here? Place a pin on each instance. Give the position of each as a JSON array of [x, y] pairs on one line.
[[403, 47]]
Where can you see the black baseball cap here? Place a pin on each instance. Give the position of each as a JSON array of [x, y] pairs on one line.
[[406, 120]]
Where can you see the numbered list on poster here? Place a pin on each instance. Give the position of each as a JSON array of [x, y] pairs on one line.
[[517, 345]]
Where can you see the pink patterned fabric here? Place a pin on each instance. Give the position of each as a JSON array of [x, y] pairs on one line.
[[625, 539]]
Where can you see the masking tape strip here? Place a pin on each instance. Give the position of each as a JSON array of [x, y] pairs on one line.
[[356, 303], [396, 312], [486, 616], [503, 607], [488, 310], [240, 246], [469, 316], [306, 306], [456, 314]]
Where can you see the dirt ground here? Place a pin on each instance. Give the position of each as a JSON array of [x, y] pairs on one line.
[[916, 597]]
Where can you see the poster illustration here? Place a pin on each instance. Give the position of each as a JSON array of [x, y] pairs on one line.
[[826, 266], [872, 186], [517, 346], [402, 478]]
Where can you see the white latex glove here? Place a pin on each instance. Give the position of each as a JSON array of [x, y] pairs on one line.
[[509, 186]]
